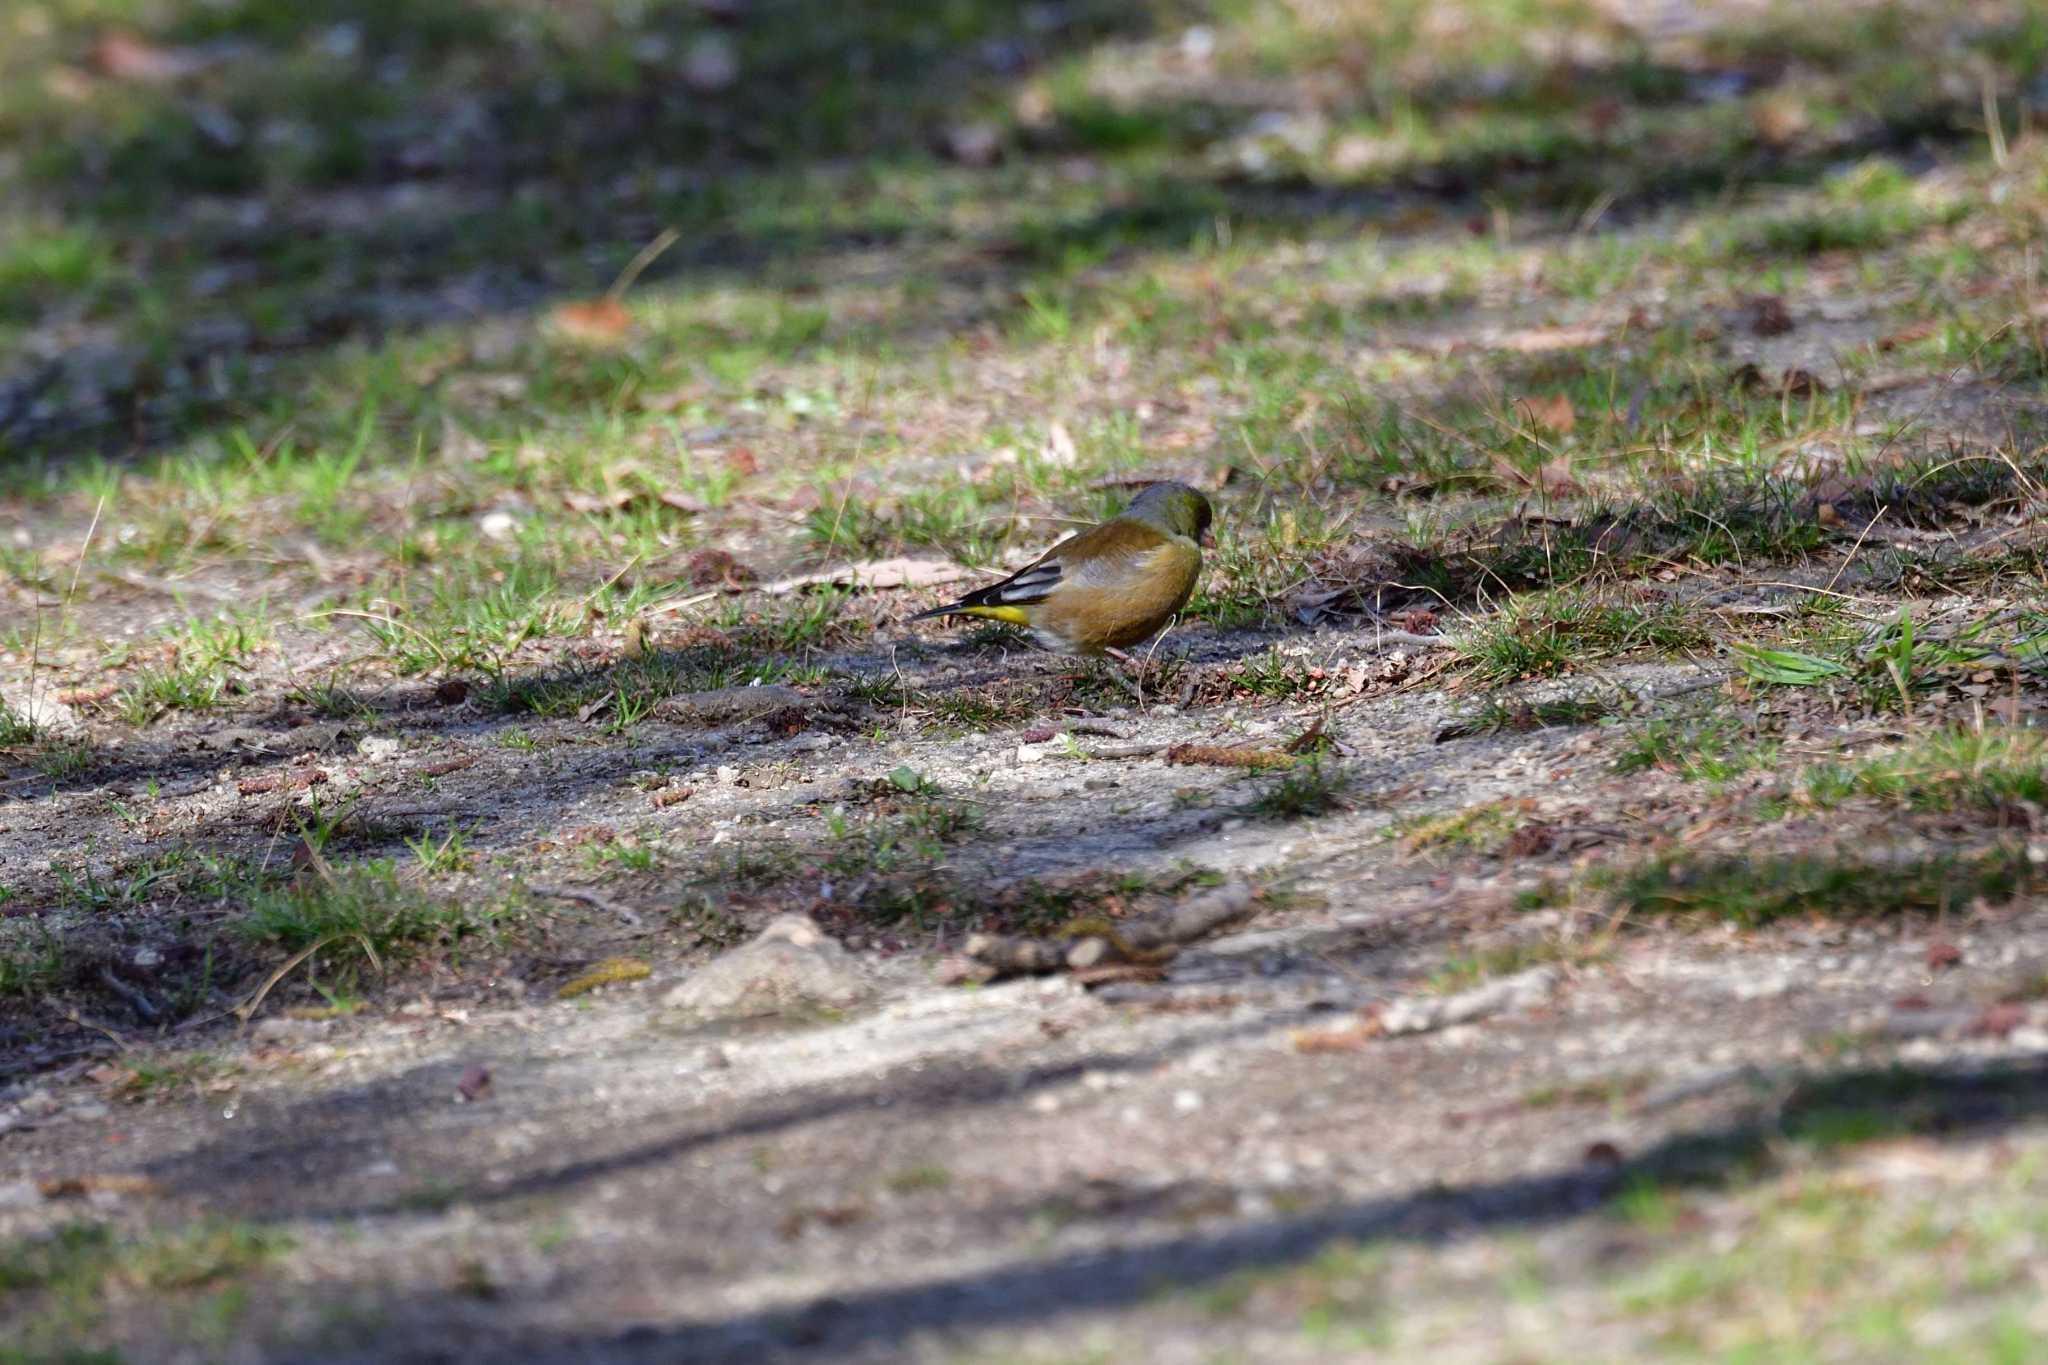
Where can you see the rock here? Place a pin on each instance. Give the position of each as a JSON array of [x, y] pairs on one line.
[[792, 968], [727, 704], [38, 1104], [974, 144], [377, 748], [711, 64], [1509, 993], [19, 1194]]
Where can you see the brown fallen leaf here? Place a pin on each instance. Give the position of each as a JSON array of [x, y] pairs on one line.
[[1798, 382], [1998, 1020], [80, 1186], [475, 1084], [596, 322], [1907, 335], [1780, 120], [1220, 756], [123, 55], [592, 504], [1552, 412], [1348, 1039], [717, 568], [1543, 340], [1552, 478], [298, 779], [1768, 315]]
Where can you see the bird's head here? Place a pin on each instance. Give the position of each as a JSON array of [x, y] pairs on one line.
[[1176, 508]]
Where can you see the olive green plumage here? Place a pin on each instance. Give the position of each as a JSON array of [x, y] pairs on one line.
[[1109, 586]]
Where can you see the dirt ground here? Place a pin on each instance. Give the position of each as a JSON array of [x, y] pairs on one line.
[[1604, 753]]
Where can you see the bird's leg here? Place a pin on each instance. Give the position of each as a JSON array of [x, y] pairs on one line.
[[1136, 689]]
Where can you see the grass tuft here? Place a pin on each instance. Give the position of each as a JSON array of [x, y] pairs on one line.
[[1751, 892]]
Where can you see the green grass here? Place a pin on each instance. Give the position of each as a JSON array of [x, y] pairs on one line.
[[1992, 769], [363, 915], [1497, 715], [1542, 636], [1313, 786], [889, 857], [1761, 889], [1466, 970], [1713, 747], [66, 1291]]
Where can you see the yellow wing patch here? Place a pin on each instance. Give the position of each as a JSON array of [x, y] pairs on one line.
[[1012, 615]]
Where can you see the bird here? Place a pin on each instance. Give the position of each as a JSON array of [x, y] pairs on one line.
[[1110, 586]]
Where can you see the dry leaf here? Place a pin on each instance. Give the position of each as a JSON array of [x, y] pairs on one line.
[[1059, 449], [475, 1084], [598, 322], [1542, 340], [460, 445], [1907, 335], [1768, 315], [1218, 756], [708, 568], [1552, 478], [79, 1186], [1336, 1040], [126, 56], [593, 504], [1942, 953], [1552, 412]]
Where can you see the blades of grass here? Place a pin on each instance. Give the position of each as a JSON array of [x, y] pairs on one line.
[[1785, 667]]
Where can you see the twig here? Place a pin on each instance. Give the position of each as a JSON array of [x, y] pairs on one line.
[[247, 1009], [144, 1008], [591, 898], [647, 256], [1092, 942], [75, 1017], [1383, 636], [170, 589]]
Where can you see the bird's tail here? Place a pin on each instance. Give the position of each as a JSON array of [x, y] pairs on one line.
[[970, 606]]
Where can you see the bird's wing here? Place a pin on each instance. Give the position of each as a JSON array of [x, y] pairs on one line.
[[1101, 556], [1026, 587]]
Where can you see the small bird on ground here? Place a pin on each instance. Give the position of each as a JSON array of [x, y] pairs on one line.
[[1109, 586]]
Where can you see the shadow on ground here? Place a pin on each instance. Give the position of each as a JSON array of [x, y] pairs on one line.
[[245, 193], [1824, 1109]]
